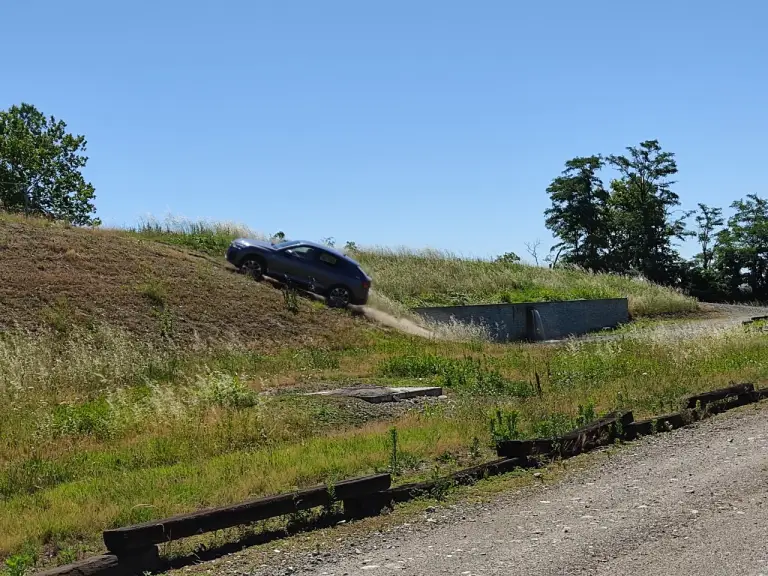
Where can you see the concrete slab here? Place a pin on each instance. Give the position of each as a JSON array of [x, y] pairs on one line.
[[378, 394]]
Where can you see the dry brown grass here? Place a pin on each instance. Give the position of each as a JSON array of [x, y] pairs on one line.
[[57, 276]]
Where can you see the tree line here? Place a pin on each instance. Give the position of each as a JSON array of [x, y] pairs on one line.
[[633, 225]]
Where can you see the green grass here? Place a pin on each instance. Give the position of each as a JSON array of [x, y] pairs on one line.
[[99, 428], [208, 237], [124, 432], [439, 278]]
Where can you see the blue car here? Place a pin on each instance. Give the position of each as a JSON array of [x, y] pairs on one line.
[[313, 267]]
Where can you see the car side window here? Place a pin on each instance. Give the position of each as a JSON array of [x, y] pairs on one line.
[[303, 252], [328, 259]]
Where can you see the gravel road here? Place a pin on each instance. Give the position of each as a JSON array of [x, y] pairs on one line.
[[693, 501], [723, 317]]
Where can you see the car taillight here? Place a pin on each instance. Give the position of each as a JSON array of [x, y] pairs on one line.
[[366, 284]]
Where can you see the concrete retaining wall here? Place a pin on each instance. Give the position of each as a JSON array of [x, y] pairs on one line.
[[509, 322]]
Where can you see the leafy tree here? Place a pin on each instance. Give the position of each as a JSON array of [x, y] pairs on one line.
[[579, 213], [742, 248], [508, 257], [40, 165], [642, 205], [708, 218]]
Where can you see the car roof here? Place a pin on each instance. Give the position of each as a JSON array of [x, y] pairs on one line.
[[326, 248]]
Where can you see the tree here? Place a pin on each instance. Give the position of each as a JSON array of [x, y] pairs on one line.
[[40, 165], [642, 205], [579, 215], [508, 257], [533, 249], [742, 248], [708, 218]]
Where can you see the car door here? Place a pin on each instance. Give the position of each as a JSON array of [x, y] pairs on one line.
[[328, 268], [297, 263]]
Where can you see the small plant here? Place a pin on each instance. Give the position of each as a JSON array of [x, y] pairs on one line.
[[21, 564], [166, 321], [504, 425], [331, 506], [291, 299], [441, 485], [586, 414], [66, 556], [394, 465], [474, 448], [154, 291], [446, 457], [60, 316], [89, 419], [619, 430], [553, 425], [225, 391]]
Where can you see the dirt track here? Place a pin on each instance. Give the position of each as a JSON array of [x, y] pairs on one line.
[[723, 317], [694, 501]]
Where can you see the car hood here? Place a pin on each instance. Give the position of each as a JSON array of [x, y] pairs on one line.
[[254, 243]]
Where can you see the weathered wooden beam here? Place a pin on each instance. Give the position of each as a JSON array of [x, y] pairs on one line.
[[599, 433], [374, 504], [110, 565], [609, 427], [121, 540], [656, 424], [717, 395], [104, 565]]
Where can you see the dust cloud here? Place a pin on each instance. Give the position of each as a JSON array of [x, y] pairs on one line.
[[401, 324]]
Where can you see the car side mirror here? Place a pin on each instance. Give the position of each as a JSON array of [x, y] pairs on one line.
[[289, 252]]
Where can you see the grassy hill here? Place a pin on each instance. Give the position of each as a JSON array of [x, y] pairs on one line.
[[434, 278], [437, 278], [60, 277]]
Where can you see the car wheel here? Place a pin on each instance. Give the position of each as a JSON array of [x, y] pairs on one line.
[[254, 268], [339, 297]]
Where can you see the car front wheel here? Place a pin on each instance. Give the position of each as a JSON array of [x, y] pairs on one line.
[[253, 268], [339, 297]]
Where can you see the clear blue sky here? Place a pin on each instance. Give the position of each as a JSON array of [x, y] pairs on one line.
[[420, 123]]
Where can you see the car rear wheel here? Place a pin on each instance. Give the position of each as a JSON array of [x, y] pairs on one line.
[[339, 297], [254, 268]]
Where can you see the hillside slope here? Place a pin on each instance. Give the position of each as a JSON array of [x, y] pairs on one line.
[[59, 277], [438, 278]]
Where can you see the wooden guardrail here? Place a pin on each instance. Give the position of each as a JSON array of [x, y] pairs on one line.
[[599, 432], [141, 536]]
